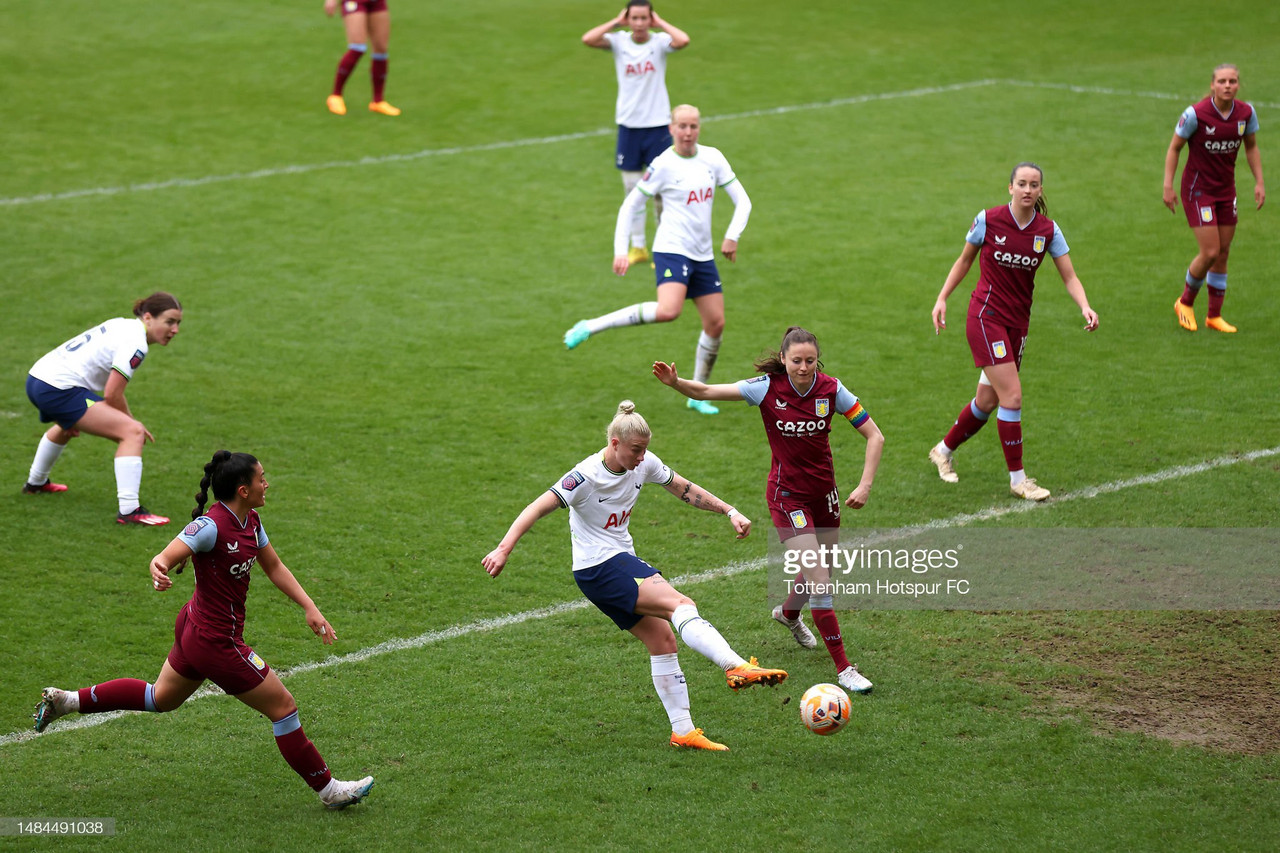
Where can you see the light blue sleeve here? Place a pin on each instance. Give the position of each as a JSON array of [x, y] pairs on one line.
[[1058, 245], [1252, 126], [753, 390], [978, 230], [1187, 123], [263, 540], [200, 535], [845, 399]]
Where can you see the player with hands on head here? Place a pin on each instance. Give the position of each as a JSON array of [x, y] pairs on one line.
[[1212, 131], [80, 386], [224, 544], [600, 493], [1010, 243], [643, 106], [687, 175], [798, 403], [364, 21]]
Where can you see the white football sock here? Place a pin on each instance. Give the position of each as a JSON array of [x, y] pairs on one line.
[[629, 181], [701, 636], [632, 315], [668, 680], [705, 357], [128, 482], [47, 453]]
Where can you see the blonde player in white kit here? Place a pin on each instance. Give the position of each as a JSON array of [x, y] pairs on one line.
[[80, 387], [643, 107], [600, 492], [687, 176]]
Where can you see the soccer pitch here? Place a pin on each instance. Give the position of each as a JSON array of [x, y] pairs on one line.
[[374, 308]]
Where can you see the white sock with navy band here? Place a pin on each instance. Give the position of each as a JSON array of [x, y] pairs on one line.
[[669, 681], [701, 636], [47, 453], [705, 357]]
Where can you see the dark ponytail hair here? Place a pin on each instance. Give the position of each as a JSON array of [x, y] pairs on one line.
[[226, 472], [772, 363], [1042, 206], [156, 304]]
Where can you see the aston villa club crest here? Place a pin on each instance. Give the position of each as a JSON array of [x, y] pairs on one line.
[[798, 519], [999, 350], [822, 406], [1038, 245], [1239, 128]]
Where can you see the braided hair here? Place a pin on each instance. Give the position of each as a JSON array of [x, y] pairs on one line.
[[226, 472]]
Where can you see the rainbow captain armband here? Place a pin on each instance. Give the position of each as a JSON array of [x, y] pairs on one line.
[[857, 415]]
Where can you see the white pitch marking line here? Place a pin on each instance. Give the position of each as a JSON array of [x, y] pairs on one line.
[[305, 168], [736, 568]]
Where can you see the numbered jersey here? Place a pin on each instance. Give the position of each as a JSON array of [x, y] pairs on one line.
[[600, 503], [799, 428], [225, 552], [87, 360]]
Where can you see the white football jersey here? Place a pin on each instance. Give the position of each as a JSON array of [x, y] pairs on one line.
[[642, 79], [688, 187], [87, 360], [600, 503]]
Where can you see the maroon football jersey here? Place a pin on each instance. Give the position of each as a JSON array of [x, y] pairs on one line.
[[1007, 267], [222, 574], [799, 429], [1212, 150]]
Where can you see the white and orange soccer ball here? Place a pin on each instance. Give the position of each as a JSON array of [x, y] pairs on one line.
[[824, 709]]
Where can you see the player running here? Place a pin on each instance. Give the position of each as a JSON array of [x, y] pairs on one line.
[[687, 175], [798, 403], [600, 492], [1013, 240], [224, 544]]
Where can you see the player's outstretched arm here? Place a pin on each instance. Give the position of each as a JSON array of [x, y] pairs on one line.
[[496, 559], [699, 498], [692, 389]]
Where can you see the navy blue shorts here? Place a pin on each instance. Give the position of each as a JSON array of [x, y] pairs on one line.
[[64, 407], [614, 585], [638, 146], [699, 277]]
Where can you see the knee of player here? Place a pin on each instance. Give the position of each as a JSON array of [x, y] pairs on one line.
[[714, 327], [666, 315], [134, 431], [1011, 400]]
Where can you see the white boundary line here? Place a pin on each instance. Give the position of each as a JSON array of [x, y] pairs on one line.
[[305, 168], [496, 623]]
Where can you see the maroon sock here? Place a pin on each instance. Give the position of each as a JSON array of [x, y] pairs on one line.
[[1216, 295], [829, 628], [122, 694], [792, 606], [300, 752], [378, 71], [1011, 442], [345, 66], [1188, 297], [966, 426]]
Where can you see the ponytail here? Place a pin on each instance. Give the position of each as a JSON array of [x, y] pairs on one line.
[[225, 473], [772, 363], [156, 304]]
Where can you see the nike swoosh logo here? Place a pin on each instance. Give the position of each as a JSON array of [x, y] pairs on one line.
[[602, 500]]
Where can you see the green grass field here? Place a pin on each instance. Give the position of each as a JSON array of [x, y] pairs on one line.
[[374, 307]]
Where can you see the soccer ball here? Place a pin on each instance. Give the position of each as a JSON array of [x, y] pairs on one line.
[[824, 709]]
